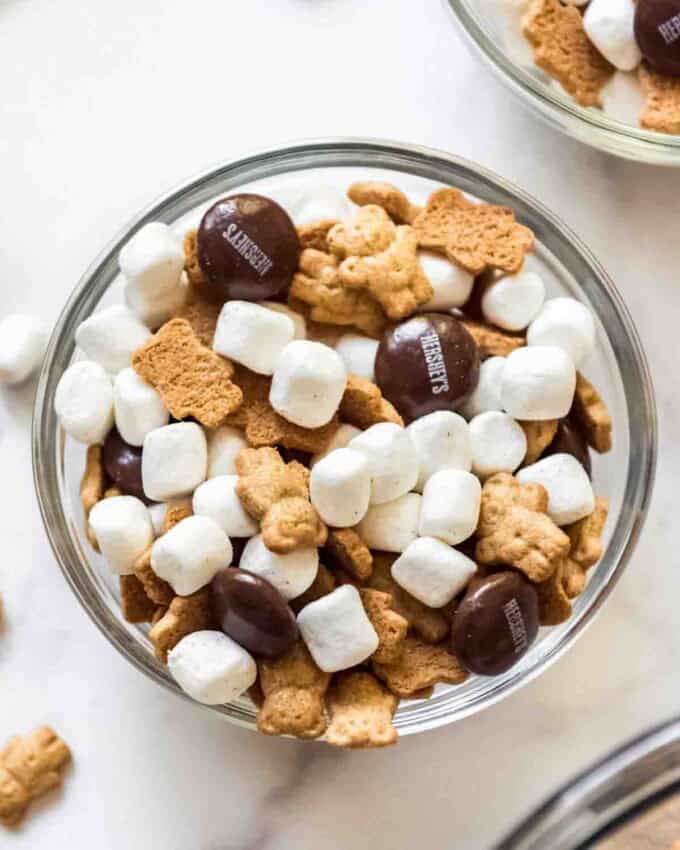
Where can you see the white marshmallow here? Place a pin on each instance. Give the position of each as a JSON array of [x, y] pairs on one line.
[[337, 630], [152, 263], [123, 530], [391, 526], [487, 394], [174, 460], [252, 335], [157, 512], [111, 336], [432, 571], [137, 406], [319, 203], [340, 440], [308, 383], [441, 441], [570, 493], [340, 488], [298, 320], [450, 508], [211, 667], [609, 25], [566, 323], [216, 498], [224, 445], [358, 354], [499, 443], [511, 302], [23, 340], [392, 460], [451, 284], [291, 574], [84, 402], [189, 555], [622, 98], [538, 383]]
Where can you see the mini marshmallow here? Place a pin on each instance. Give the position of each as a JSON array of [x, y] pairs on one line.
[[499, 443], [322, 202], [23, 340], [216, 498], [609, 25], [298, 320], [451, 284], [174, 460], [538, 383], [337, 630], [137, 407], [432, 571], [252, 335], [570, 493], [566, 323], [111, 336], [441, 441], [487, 394], [622, 98], [511, 302], [308, 383], [340, 488], [123, 530], [190, 554], [391, 526], [211, 667], [152, 263], [450, 508], [84, 402], [358, 354], [224, 444], [340, 440], [392, 460], [291, 574]]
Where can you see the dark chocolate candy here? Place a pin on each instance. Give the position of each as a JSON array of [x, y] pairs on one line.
[[657, 32], [248, 247], [429, 362], [123, 464]]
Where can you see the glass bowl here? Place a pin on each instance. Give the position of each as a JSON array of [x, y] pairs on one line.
[[483, 33], [619, 369]]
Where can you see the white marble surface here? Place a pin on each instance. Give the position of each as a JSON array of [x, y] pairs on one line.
[[103, 106]]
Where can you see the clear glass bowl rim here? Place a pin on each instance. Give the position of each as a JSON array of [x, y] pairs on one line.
[[47, 439]]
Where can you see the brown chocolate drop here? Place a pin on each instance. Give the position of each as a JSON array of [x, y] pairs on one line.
[[657, 32], [123, 464], [570, 440], [429, 362], [248, 247], [495, 624]]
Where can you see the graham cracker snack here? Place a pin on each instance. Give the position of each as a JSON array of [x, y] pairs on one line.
[[363, 404], [93, 482], [539, 436], [662, 109], [586, 535], [554, 606], [191, 264], [420, 666], [29, 768], [136, 606], [390, 627], [385, 195], [347, 551], [186, 614], [155, 588], [592, 416], [492, 342], [175, 512], [315, 235], [201, 312], [191, 379], [360, 711]]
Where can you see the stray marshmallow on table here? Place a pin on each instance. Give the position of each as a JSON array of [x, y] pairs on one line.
[[308, 383], [23, 339], [340, 488], [189, 555], [340, 440], [224, 444], [152, 263], [358, 354], [216, 498], [450, 507], [291, 574], [123, 530], [392, 460], [211, 667], [538, 383], [297, 319], [337, 631], [252, 335], [512, 301], [83, 402], [432, 571], [570, 493], [451, 284], [138, 407], [487, 394], [609, 24], [174, 460], [566, 323], [441, 441], [391, 526], [111, 336], [499, 443]]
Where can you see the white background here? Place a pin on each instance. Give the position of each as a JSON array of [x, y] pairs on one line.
[[102, 107]]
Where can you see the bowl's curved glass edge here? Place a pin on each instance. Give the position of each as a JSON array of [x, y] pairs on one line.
[[421, 161]]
